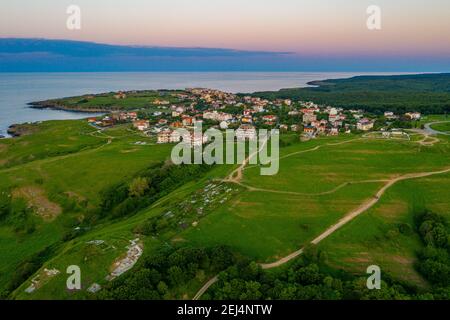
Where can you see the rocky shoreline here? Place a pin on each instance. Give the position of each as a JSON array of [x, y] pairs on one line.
[[14, 130], [48, 105]]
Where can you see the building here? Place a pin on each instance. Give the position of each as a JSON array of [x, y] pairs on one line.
[[334, 131], [247, 119], [187, 121], [120, 95], [309, 129], [223, 125], [176, 124], [413, 115], [141, 125], [389, 115], [309, 117], [269, 118], [164, 136], [217, 116], [246, 131], [364, 124]]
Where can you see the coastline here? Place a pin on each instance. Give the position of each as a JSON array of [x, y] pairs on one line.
[[42, 105]]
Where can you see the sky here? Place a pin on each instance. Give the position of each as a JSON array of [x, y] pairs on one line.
[[314, 28]]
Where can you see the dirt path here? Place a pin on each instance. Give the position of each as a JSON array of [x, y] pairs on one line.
[[236, 175], [205, 287], [347, 218], [342, 185], [353, 214]]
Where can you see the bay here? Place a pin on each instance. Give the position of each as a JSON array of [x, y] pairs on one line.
[[18, 89]]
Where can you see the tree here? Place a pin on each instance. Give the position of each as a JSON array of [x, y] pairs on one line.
[[138, 187]]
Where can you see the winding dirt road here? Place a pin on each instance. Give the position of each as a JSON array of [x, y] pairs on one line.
[[347, 218], [236, 177]]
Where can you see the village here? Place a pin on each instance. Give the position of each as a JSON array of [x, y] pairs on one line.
[[245, 114]]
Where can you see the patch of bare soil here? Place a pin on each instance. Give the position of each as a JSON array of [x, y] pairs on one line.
[[129, 150], [123, 264], [38, 201]]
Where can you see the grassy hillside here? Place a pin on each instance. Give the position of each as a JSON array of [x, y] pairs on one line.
[[427, 93], [132, 100], [57, 218]]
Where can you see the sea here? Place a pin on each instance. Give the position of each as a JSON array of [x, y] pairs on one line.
[[18, 89]]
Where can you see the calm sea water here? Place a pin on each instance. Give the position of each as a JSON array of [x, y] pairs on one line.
[[17, 89]]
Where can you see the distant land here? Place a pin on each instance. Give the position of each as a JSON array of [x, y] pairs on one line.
[[44, 55], [427, 93]]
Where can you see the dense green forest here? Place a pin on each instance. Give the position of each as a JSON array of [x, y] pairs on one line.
[[426, 93]]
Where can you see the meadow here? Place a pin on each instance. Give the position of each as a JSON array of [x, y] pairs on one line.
[[264, 217], [108, 101], [69, 174]]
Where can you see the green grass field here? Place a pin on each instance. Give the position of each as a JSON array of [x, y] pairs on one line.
[[264, 218], [68, 175], [443, 127], [107, 101]]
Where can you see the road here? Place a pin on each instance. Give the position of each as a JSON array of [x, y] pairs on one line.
[[430, 130], [346, 219], [236, 177]]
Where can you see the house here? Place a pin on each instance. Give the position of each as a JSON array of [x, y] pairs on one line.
[[217, 116], [164, 136], [247, 119], [309, 129], [92, 120], [162, 122], [120, 95], [269, 118], [295, 127], [309, 117], [413, 115], [321, 129], [284, 127], [106, 122], [176, 124], [187, 120], [141, 125], [131, 115], [333, 118], [334, 131], [161, 102], [173, 136], [389, 115], [364, 124], [246, 131], [223, 125], [258, 108]]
